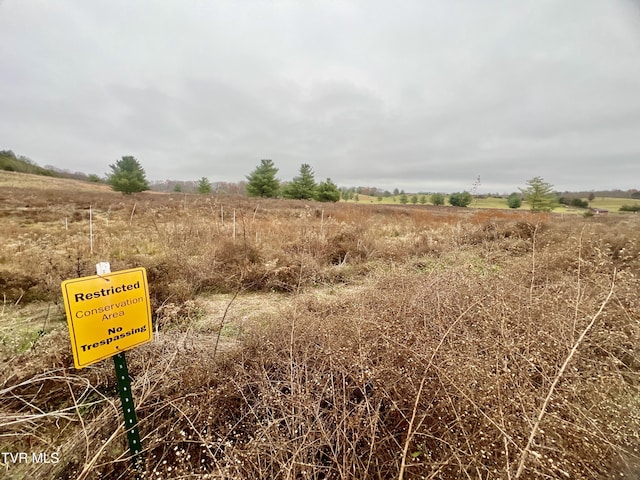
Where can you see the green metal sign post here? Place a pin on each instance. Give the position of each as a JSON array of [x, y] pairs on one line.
[[129, 411]]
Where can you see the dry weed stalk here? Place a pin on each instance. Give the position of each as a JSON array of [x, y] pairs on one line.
[[545, 403], [410, 431]]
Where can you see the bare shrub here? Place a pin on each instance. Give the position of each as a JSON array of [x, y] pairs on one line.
[[349, 244]]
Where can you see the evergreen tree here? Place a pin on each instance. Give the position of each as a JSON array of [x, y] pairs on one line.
[[327, 191], [514, 200], [262, 182], [579, 203], [127, 176], [302, 187], [460, 199], [437, 199], [204, 186], [539, 195], [414, 199], [403, 198], [423, 199]]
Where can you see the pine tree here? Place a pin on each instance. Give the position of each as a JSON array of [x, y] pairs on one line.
[[127, 176], [514, 200], [302, 187], [262, 182], [437, 199], [204, 186], [327, 191], [460, 199], [539, 195]]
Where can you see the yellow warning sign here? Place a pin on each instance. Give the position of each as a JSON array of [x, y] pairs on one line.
[[107, 314]]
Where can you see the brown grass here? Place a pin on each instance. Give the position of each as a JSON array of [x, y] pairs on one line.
[[365, 341]]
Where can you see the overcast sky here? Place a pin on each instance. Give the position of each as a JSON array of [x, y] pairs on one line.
[[420, 95]]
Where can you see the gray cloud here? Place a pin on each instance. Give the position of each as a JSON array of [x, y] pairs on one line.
[[419, 95]]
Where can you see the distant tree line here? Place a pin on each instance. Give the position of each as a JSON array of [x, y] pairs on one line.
[[591, 195], [11, 162], [128, 176], [199, 186], [573, 202], [630, 208]]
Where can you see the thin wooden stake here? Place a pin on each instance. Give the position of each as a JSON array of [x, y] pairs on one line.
[[91, 229], [132, 211]]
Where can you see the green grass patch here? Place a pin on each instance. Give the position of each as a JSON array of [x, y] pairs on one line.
[[612, 204], [22, 328]]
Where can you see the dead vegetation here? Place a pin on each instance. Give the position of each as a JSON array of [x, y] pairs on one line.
[[391, 342]]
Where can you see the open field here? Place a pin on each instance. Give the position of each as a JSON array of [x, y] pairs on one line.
[[610, 203], [315, 341]]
